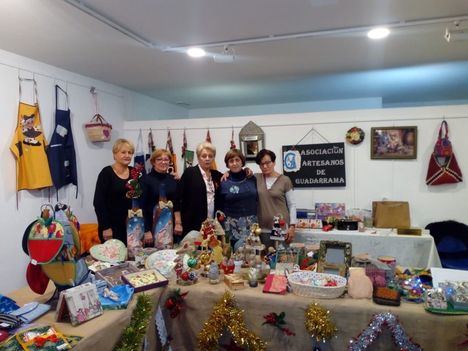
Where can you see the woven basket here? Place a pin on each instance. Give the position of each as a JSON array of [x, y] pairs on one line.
[[98, 129], [301, 284]]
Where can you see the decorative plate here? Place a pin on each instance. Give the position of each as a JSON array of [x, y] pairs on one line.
[[163, 261], [112, 251], [355, 136]]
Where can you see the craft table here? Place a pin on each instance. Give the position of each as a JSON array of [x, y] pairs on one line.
[[409, 250], [99, 334], [431, 331]]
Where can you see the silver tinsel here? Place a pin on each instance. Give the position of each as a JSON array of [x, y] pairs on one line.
[[372, 332]]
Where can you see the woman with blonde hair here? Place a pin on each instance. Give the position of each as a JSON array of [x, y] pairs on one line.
[[159, 189], [196, 190], [111, 203]]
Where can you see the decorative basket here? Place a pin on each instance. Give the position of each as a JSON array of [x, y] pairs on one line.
[[301, 284], [98, 129]]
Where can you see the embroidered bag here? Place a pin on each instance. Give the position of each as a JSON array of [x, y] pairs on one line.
[[443, 146], [443, 166]]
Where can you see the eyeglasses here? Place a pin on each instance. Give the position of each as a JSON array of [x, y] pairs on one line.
[[266, 163], [162, 160]]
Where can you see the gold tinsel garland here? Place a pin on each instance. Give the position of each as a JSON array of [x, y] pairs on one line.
[[318, 323], [133, 335], [226, 315]]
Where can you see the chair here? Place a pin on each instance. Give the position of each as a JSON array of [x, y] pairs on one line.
[[451, 240]]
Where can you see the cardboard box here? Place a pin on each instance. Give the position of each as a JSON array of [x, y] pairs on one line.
[[234, 281]]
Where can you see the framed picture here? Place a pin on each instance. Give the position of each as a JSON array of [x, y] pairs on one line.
[[334, 257], [252, 140], [394, 142], [250, 146]]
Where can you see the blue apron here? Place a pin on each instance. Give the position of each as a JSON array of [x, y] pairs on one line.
[[61, 150]]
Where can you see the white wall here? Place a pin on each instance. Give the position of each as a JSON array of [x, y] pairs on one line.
[[367, 179], [115, 104]]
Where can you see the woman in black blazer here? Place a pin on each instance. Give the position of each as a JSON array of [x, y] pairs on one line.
[[196, 190]]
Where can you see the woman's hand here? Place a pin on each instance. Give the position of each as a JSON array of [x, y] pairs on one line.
[[291, 233], [148, 239], [107, 234], [225, 176], [178, 229]]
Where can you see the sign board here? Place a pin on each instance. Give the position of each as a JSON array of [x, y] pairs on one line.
[[315, 165]]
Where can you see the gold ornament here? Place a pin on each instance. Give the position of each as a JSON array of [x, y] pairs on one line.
[[226, 315], [318, 323]]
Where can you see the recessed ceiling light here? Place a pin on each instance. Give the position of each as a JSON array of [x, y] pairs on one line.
[[378, 33], [196, 52]]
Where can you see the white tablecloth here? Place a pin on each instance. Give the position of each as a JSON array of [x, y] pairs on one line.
[[409, 250]]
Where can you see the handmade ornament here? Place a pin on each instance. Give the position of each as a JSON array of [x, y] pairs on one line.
[[318, 324], [135, 231], [367, 337], [175, 302], [213, 273], [226, 315], [277, 320]]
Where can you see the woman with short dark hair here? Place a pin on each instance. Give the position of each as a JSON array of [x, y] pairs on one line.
[[237, 198]]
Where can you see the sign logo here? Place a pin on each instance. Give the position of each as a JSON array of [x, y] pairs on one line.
[[291, 161]]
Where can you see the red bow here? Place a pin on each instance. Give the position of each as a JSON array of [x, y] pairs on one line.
[[40, 341]]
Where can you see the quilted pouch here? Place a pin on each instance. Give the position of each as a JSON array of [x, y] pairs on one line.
[[31, 311]]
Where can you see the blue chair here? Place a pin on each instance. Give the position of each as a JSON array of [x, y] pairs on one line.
[[451, 239]]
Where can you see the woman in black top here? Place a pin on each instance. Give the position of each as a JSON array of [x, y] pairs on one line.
[[110, 201], [159, 185], [196, 190]]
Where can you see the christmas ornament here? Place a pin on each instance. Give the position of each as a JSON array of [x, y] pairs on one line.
[[319, 324], [277, 320], [367, 337], [175, 302], [227, 316]]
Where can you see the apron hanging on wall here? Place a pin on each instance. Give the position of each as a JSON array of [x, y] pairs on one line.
[[28, 146], [61, 150], [139, 158], [443, 166]]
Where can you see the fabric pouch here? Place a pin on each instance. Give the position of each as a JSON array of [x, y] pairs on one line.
[[276, 284], [31, 311]]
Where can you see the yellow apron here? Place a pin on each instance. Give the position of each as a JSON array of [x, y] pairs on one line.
[[28, 146]]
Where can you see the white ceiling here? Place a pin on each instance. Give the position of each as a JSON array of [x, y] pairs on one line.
[[293, 70]]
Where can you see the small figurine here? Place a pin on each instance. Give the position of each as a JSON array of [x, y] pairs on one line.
[[213, 274], [253, 277]]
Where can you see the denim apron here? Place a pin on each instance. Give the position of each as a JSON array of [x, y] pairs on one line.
[[61, 151]]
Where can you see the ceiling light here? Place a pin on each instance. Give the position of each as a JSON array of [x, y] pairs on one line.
[[378, 33], [196, 52]]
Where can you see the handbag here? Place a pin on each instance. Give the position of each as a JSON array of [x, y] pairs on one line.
[[443, 166], [31, 311], [391, 214], [443, 146], [98, 129]]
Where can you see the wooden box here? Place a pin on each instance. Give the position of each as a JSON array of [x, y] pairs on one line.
[[409, 231], [113, 275], [234, 281], [145, 280]]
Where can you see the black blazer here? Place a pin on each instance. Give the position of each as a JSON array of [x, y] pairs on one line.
[[191, 192]]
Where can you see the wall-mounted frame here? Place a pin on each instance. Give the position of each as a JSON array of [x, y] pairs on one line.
[[334, 257], [252, 140], [394, 142]]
